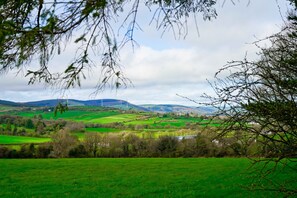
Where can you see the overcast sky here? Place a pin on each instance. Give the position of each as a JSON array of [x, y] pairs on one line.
[[162, 67]]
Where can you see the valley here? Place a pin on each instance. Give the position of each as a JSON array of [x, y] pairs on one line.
[[98, 119], [108, 151]]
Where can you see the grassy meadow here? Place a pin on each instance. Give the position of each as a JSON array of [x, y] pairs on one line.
[[137, 177], [87, 115], [143, 124], [8, 139], [82, 114], [128, 177]]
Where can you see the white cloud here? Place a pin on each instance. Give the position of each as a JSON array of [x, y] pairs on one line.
[[172, 66], [163, 67]]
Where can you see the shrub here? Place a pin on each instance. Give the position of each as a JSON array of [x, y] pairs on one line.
[[78, 151], [167, 146]]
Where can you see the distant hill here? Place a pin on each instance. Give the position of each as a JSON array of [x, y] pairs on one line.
[[9, 103], [167, 108], [120, 104]]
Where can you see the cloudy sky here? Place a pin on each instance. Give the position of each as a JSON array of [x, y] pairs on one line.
[[161, 68]]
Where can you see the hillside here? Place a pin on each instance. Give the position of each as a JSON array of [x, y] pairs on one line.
[[9, 103], [120, 104], [168, 108]]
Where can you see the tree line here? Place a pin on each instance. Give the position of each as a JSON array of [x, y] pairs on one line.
[[36, 126], [39, 127], [204, 144]]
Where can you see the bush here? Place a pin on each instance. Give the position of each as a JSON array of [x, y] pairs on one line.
[[27, 151], [167, 146], [44, 150], [3, 151], [78, 151]]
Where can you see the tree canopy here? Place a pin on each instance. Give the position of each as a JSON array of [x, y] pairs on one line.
[[40, 29]]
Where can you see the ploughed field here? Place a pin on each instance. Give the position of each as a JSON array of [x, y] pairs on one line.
[[137, 177]]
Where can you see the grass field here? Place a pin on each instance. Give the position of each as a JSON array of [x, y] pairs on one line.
[[75, 115], [143, 124], [102, 130], [110, 116], [7, 139], [151, 177], [19, 128], [113, 118], [4, 109]]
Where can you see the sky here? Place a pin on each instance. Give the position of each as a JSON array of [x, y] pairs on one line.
[[163, 68]]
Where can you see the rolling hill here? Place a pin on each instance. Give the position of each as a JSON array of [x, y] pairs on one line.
[[168, 108], [120, 104], [9, 103]]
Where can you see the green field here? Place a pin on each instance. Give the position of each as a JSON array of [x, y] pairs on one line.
[[19, 128], [102, 130], [72, 114], [88, 115], [112, 118], [7, 139], [151, 177], [4, 109], [100, 120]]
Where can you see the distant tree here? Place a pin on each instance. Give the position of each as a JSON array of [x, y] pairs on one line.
[[29, 124], [15, 130], [78, 151], [187, 148], [22, 132], [59, 124], [130, 145], [138, 127], [92, 142], [44, 150], [39, 117], [75, 126], [3, 151], [8, 126], [11, 153], [62, 143], [27, 151], [205, 146], [112, 145], [40, 127], [167, 146]]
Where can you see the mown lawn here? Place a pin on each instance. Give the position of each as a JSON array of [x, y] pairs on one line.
[[7, 139], [137, 177]]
